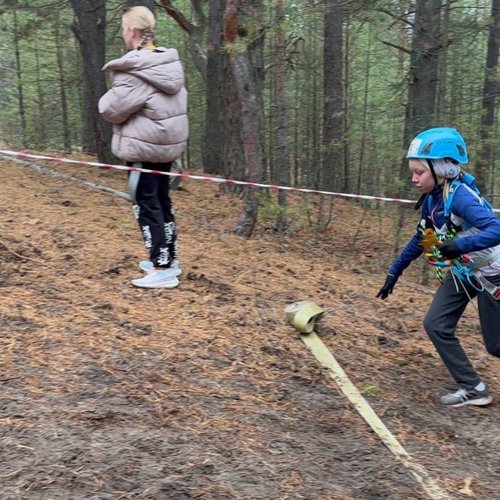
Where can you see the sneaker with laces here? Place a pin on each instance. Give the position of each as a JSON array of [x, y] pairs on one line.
[[157, 279], [463, 397], [147, 266]]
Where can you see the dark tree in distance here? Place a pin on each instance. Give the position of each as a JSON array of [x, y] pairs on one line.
[[213, 147], [485, 163], [422, 85], [150, 4], [89, 28], [333, 88]]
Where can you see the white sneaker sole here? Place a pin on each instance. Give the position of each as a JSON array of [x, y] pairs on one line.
[[178, 270], [475, 402], [161, 284]]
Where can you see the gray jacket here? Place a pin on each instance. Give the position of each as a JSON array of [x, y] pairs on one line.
[[147, 105]]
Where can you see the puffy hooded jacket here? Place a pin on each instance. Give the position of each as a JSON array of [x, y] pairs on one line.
[[147, 105]]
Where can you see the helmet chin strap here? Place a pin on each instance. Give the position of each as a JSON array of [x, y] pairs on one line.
[[431, 167]]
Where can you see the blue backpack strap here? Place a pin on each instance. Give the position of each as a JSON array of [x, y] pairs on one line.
[[454, 185], [426, 210], [469, 181], [420, 201]]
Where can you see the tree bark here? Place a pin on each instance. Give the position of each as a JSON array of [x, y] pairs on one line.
[[364, 120], [20, 88], [421, 106], [213, 150], [89, 28], [222, 149], [486, 159], [423, 77], [62, 90], [282, 174], [41, 137], [427, 44], [333, 114], [443, 66], [241, 24], [333, 105]]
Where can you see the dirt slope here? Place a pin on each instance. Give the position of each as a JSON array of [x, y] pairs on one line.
[[107, 391]]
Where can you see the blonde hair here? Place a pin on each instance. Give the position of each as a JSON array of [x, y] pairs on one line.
[[141, 19]]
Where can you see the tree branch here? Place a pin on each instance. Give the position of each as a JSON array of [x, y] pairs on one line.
[[179, 18], [396, 16], [393, 45]]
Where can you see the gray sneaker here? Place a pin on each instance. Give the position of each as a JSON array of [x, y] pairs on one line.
[[464, 397]]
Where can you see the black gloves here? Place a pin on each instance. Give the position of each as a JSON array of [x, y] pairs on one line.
[[449, 249], [388, 287]]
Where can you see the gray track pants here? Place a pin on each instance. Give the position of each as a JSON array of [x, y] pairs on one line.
[[441, 320]]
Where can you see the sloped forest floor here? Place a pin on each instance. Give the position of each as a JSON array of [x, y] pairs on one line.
[[112, 392]]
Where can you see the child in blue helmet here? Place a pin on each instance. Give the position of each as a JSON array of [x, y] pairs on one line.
[[462, 224]]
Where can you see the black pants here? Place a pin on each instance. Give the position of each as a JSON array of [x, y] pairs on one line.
[[153, 210], [441, 320]]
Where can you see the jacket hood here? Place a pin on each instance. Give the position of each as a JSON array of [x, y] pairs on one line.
[[160, 67]]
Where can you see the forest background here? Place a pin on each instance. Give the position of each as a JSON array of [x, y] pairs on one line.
[[318, 94]]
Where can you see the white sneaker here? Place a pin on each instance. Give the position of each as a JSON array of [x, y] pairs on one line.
[[147, 266], [158, 279]]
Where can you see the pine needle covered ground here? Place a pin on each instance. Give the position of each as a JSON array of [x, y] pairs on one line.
[[108, 391]]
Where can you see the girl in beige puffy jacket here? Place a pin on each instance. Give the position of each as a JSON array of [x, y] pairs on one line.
[[147, 105]]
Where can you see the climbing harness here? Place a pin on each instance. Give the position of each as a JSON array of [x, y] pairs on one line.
[[463, 268], [492, 289]]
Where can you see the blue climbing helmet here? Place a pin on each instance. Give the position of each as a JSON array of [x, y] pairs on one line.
[[438, 143]]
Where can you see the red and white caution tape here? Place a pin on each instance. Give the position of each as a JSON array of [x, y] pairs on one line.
[[218, 180], [183, 175]]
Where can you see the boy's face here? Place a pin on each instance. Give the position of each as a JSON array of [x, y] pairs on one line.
[[421, 177]]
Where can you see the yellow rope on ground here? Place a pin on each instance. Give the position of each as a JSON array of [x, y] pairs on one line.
[[326, 358]]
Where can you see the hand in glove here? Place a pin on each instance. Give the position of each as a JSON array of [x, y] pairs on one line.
[[449, 249], [388, 287]]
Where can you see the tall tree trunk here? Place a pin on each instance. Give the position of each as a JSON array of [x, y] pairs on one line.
[[222, 148], [296, 130], [346, 153], [62, 89], [421, 105], [271, 118], [443, 67], [333, 104], [90, 29], [423, 77], [282, 174], [486, 159], [241, 25], [333, 114], [314, 176], [213, 150], [233, 165], [41, 136], [20, 90], [427, 44], [364, 121]]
